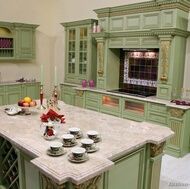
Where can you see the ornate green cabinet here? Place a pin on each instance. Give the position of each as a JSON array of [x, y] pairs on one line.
[[80, 61], [25, 41], [17, 41]]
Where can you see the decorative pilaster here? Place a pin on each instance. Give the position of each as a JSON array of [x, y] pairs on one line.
[[90, 184], [100, 54], [156, 152], [165, 53]]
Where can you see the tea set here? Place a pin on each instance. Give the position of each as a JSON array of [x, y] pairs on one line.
[[79, 153]]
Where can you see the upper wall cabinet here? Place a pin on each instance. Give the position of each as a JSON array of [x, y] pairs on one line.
[[17, 41], [80, 62]]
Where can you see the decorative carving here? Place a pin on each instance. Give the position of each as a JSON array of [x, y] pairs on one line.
[[165, 47], [175, 112], [80, 93], [47, 183], [156, 149], [90, 184], [100, 53]]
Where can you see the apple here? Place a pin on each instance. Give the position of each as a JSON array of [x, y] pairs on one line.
[[32, 103], [26, 104], [20, 102]]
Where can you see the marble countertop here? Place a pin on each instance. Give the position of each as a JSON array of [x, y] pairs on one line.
[[16, 82], [119, 137]]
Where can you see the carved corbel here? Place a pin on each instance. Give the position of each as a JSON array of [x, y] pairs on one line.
[[80, 93], [90, 184], [156, 149], [47, 183], [175, 112]]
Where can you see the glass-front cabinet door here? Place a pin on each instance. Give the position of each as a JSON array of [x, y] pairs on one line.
[[80, 62]]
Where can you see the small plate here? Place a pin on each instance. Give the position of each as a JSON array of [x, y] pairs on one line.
[[61, 152], [92, 149], [70, 145], [70, 158], [12, 110], [97, 139]]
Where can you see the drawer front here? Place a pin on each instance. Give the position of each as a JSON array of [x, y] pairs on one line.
[[93, 103], [91, 95], [12, 88], [157, 118], [65, 88], [157, 107]]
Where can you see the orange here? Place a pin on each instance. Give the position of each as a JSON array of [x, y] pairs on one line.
[[27, 99]]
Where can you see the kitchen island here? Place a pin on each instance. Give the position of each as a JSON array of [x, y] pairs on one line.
[[129, 153]]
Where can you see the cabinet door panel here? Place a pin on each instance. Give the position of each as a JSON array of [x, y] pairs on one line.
[[13, 98], [128, 172], [2, 99], [31, 90]]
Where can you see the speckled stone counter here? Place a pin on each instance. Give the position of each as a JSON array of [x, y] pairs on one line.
[[119, 137]]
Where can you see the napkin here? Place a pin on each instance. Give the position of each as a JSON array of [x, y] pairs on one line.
[[53, 116]]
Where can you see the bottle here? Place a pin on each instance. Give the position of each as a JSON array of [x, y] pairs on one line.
[[94, 28]]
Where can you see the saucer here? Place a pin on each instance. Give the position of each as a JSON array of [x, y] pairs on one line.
[[57, 153], [97, 139], [70, 145], [71, 158], [92, 149]]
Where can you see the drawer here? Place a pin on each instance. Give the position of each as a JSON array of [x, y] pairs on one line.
[[92, 95], [157, 118], [92, 103], [12, 88], [157, 107], [65, 88]]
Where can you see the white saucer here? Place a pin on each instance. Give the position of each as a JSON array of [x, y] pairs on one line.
[[92, 149], [70, 145], [71, 158], [61, 152]]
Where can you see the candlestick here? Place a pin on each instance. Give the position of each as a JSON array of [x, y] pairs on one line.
[[55, 96], [41, 107], [41, 74], [55, 76]]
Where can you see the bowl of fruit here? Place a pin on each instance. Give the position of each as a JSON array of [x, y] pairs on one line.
[[26, 103]]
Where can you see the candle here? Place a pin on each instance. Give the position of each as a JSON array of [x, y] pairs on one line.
[[55, 76], [41, 74]]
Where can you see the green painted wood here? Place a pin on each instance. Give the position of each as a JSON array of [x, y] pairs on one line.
[[23, 41], [80, 57], [121, 176]]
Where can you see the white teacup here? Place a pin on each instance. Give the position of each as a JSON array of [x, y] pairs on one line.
[[55, 146], [78, 153], [74, 130], [87, 143], [92, 134], [68, 138]]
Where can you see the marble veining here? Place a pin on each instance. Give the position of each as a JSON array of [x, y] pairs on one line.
[[119, 137]]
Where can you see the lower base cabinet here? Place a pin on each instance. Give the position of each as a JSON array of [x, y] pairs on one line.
[[128, 172]]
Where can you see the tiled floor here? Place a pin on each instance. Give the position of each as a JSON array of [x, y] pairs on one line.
[[175, 173]]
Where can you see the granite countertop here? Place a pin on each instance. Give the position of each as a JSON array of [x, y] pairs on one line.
[[119, 137], [16, 82]]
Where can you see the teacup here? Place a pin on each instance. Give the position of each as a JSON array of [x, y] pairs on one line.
[[78, 153], [74, 130], [55, 146], [68, 138], [92, 134], [87, 143]]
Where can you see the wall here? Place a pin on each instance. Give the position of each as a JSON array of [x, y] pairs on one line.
[[50, 47]]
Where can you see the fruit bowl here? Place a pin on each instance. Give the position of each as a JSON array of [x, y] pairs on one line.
[[26, 104]]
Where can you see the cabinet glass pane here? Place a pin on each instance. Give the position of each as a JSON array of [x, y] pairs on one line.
[[72, 34], [83, 33], [133, 106], [110, 101], [6, 47]]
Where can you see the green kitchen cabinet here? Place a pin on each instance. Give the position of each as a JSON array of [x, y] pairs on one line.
[[178, 121], [17, 41], [133, 109], [68, 93], [25, 41], [32, 90], [92, 101], [157, 113], [80, 61], [80, 98], [119, 176]]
